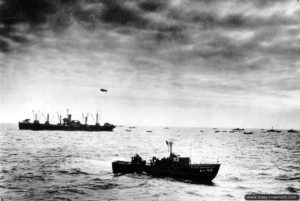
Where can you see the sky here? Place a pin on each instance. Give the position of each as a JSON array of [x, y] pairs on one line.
[[200, 63]]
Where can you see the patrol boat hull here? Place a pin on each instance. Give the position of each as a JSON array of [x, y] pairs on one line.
[[198, 173], [173, 166]]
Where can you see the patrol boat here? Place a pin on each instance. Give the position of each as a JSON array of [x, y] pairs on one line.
[[173, 166]]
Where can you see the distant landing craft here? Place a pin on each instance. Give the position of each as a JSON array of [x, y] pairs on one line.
[[103, 90]]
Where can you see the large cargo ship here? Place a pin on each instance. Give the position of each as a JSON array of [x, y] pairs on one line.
[[66, 125], [173, 166]]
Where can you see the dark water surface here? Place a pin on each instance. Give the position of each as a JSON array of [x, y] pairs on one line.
[[58, 165]]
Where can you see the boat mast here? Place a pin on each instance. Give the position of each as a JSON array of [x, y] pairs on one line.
[[170, 144], [97, 118]]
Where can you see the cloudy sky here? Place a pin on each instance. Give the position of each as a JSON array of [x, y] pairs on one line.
[[229, 63]]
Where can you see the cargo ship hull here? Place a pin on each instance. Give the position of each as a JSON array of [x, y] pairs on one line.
[[61, 127]]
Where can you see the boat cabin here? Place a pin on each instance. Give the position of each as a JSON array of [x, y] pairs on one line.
[[184, 161]]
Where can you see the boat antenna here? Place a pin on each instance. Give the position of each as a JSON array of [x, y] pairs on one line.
[[190, 150]]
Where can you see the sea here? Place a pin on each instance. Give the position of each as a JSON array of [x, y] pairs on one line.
[[71, 166]]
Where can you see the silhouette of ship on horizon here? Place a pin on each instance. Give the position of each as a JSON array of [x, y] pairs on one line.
[[66, 125]]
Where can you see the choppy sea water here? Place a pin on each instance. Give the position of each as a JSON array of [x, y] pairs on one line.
[[58, 165]]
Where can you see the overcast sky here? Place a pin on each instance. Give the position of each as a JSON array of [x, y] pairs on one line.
[[206, 63]]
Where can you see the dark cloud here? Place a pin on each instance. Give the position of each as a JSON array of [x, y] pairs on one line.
[[154, 5], [57, 16], [117, 13], [265, 3], [32, 14], [4, 46], [163, 21], [31, 11], [170, 33]]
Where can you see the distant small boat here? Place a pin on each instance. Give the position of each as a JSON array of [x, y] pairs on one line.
[[131, 127], [166, 128], [224, 131], [238, 129], [273, 131], [292, 131], [248, 133], [128, 130], [217, 131], [149, 131]]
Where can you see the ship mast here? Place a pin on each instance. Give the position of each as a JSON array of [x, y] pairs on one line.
[[59, 118], [97, 117], [47, 121], [85, 118]]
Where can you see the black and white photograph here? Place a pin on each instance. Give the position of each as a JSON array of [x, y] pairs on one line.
[[149, 100]]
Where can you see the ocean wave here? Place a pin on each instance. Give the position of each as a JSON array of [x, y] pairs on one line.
[[263, 174], [193, 193], [62, 198], [229, 195], [73, 171], [52, 191], [286, 178], [292, 189], [235, 179], [29, 176], [103, 186]]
